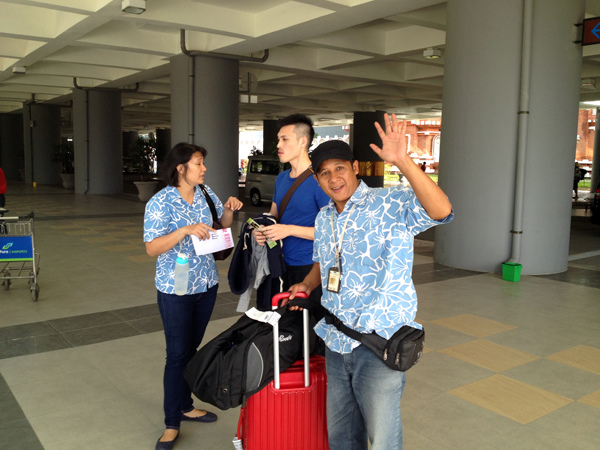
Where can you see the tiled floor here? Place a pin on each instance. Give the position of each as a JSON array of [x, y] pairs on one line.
[[507, 365]]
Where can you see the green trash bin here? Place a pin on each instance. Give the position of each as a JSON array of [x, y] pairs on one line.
[[511, 271]]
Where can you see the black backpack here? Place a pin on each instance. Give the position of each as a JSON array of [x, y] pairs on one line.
[[239, 361]]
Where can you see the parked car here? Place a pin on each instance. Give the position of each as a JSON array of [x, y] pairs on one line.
[[260, 178]]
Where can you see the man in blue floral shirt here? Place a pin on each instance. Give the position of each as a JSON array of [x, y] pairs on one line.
[[363, 255]]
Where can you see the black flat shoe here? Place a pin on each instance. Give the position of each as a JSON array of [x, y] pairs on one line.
[[206, 418], [167, 445]]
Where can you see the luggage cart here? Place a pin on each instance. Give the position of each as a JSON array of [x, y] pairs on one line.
[[18, 259]]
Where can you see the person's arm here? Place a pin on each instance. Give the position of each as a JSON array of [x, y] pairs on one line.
[[273, 210], [279, 231], [310, 283], [163, 244], [259, 235], [394, 151], [232, 204]]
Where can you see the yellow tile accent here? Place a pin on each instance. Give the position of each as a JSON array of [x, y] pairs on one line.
[[580, 356], [489, 355], [121, 248], [593, 399], [473, 325], [511, 398], [99, 239], [142, 258]]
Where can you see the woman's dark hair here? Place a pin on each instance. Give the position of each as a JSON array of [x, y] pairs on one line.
[[180, 154]]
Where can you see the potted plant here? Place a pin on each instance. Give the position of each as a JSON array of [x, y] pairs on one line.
[[142, 154], [65, 155]]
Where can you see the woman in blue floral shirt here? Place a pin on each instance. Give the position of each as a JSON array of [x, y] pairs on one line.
[[172, 216]]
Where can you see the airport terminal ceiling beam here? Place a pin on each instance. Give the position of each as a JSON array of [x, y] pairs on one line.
[[187, 52], [135, 89]]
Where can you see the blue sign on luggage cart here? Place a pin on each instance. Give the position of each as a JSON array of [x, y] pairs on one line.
[[16, 248]]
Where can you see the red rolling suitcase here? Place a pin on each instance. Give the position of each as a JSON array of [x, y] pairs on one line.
[[289, 413]]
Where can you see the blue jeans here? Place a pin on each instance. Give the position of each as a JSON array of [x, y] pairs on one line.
[[363, 401], [184, 318]]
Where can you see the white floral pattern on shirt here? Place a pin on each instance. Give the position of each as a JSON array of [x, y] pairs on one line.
[[377, 292], [166, 212]]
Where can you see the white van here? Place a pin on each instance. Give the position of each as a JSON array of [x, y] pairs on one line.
[[260, 178]]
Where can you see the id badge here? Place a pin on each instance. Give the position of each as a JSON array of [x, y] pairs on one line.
[[334, 281]]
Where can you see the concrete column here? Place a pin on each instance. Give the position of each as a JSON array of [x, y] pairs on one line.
[[163, 143], [11, 145], [41, 135], [364, 134], [478, 156], [97, 142], [128, 138], [182, 77], [596, 158], [205, 112], [270, 130]]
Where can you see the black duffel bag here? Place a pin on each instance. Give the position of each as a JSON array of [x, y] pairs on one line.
[[239, 361]]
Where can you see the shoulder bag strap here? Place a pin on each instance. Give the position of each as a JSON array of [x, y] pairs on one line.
[[329, 317], [210, 202], [303, 176]]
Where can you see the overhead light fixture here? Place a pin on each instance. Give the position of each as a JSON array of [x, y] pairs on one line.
[[432, 53], [588, 82], [19, 70], [133, 6]]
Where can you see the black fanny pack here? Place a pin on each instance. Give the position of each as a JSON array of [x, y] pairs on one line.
[[400, 352]]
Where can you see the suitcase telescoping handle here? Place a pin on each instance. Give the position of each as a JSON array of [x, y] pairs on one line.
[[305, 342]]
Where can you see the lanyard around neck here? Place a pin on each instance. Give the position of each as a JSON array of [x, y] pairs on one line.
[[338, 245]]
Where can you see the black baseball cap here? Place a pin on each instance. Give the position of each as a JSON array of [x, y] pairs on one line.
[[334, 149]]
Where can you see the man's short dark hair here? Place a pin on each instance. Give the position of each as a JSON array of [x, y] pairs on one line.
[[303, 126]]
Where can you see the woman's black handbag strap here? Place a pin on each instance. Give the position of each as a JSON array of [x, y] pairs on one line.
[[303, 176], [211, 204]]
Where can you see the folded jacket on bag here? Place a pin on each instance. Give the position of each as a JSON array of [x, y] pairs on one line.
[[258, 263]]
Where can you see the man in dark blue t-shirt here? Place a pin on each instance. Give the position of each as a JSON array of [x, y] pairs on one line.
[[296, 225]]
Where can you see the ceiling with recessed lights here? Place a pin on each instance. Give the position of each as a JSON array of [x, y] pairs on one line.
[[326, 58]]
